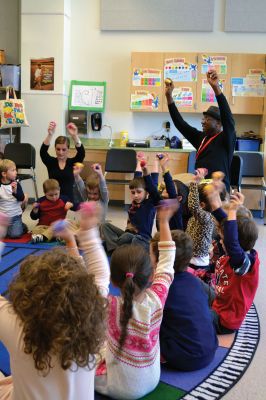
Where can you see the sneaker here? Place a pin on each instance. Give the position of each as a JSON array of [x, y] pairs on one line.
[[37, 238]]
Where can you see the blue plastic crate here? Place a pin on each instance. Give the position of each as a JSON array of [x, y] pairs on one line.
[[247, 144]]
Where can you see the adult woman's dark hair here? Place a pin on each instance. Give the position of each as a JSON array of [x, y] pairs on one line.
[[62, 140], [61, 309]]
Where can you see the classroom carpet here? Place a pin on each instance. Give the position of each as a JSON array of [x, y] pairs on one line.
[[232, 358]]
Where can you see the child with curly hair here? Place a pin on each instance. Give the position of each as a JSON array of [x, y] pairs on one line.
[[131, 366], [53, 323]]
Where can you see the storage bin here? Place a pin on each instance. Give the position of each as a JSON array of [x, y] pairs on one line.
[[10, 75], [245, 144]]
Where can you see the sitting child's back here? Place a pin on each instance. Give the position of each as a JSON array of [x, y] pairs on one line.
[[187, 336]]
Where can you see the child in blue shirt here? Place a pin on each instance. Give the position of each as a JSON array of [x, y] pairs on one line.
[[187, 337], [141, 214]]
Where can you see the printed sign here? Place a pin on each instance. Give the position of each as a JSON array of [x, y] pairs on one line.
[[146, 77], [179, 70], [144, 100]]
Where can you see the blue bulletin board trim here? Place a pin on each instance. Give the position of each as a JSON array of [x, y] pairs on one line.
[[87, 95]]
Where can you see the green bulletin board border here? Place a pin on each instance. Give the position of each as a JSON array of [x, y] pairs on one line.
[[87, 83]]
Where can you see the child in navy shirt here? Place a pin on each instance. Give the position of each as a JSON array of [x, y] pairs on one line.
[[141, 214], [187, 337]]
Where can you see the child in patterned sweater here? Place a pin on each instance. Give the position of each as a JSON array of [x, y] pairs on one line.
[[201, 223], [131, 366]]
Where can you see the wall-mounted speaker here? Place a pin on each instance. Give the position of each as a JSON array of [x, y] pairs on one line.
[[96, 121]]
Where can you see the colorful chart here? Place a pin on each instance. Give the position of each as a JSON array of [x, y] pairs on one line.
[[146, 77]]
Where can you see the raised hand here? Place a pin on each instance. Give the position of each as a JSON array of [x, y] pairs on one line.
[[72, 130], [97, 168], [51, 128], [236, 200], [90, 215]]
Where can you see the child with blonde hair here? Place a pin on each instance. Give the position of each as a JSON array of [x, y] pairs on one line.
[[11, 197]]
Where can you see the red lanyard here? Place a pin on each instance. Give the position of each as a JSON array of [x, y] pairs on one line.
[[203, 145]]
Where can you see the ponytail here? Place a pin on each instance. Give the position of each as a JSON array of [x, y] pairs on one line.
[[130, 271]]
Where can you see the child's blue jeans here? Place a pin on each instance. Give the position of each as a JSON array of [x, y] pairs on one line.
[[15, 228]]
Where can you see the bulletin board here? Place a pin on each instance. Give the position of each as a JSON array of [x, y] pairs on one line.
[[86, 95]]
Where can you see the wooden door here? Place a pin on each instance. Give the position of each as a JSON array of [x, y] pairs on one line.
[[247, 95]]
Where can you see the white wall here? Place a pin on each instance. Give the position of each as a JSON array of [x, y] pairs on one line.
[[97, 55], [10, 30]]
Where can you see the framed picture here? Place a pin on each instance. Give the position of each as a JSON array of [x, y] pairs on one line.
[[87, 96], [42, 74]]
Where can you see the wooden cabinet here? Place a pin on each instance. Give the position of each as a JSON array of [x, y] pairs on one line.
[[242, 66], [146, 78], [177, 164], [148, 71]]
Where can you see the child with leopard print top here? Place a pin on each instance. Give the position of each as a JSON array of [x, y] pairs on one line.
[[201, 223]]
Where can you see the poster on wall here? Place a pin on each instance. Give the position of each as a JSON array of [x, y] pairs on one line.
[[146, 77], [207, 93], [42, 74], [87, 95], [183, 97], [251, 85], [179, 70], [144, 100], [219, 63]]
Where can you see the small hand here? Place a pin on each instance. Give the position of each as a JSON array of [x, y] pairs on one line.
[[167, 208], [236, 200], [51, 128], [97, 168], [90, 215], [35, 207], [72, 129], [68, 205], [200, 174], [163, 160], [14, 186]]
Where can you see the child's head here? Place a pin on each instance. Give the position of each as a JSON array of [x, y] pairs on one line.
[[51, 189], [246, 226], [61, 309], [182, 191], [130, 271], [203, 197], [8, 170], [184, 249], [92, 187], [137, 189]]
